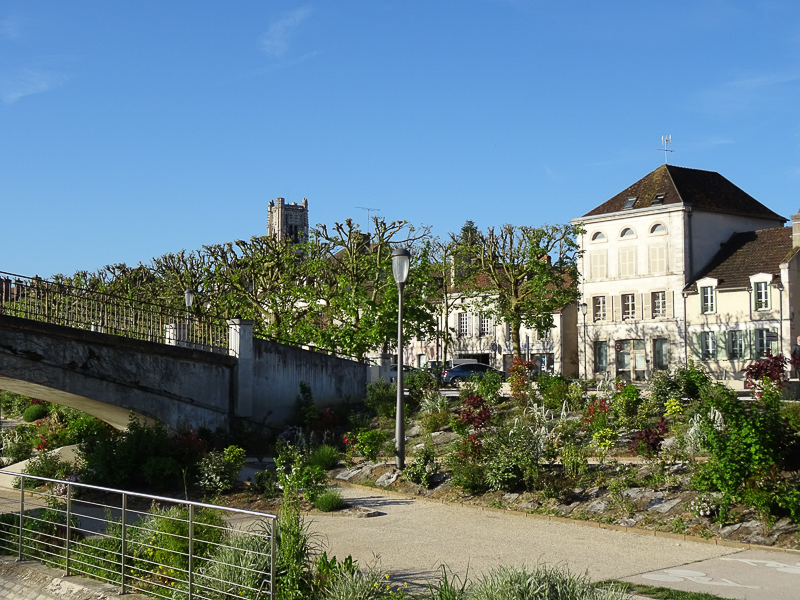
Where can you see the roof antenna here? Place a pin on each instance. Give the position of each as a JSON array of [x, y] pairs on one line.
[[665, 141], [369, 210]]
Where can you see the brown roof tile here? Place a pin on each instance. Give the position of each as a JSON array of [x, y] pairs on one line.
[[705, 190], [745, 254]]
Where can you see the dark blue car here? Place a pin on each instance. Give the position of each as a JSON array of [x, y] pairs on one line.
[[461, 373]]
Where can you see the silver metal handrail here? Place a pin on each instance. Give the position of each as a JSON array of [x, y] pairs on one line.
[[61, 304], [173, 549]]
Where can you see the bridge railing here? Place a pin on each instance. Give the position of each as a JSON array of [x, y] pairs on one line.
[[60, 304], [163, 547]]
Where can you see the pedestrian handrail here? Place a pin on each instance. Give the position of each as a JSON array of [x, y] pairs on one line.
[[164, 547], [62, 304]]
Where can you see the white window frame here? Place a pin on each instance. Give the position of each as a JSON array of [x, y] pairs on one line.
[[761, 295], [708, 345], [762, 344], [707, 300], [463, 324], [658, 304], [485, 325], [628, 305], [599, 308], [735, 344]]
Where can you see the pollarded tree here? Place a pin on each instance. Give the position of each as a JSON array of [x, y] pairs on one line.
[[356, 293], [525, 273]]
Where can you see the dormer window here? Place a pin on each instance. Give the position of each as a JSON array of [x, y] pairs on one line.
[[658, 199], [629, 203]]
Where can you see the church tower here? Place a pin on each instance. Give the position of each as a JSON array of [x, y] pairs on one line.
[[288, 220]]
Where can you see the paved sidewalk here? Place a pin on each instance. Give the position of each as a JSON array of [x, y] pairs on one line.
[[411, 538]]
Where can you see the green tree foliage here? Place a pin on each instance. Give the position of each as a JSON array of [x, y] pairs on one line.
[[522, 274]]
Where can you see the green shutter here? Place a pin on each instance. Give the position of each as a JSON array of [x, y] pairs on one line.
[[697, 347], [722, 345]]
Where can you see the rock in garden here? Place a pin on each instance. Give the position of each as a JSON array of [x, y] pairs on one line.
[[510, 498], [663, 506], [348, 474], [729, 529], [566, 508], [752, 524], [597, 506], [758, 538], [629, 521], [530, 505], [414, 431], [643, 472], [387, 478], [593, 492], [360, 512], [669, 442], [785, 525]]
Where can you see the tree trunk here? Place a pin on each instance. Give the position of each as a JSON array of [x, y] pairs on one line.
[[517, 350]]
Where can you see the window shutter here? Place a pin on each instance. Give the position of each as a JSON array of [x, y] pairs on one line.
[[608, 316], [470, 325], [617, 302], [668, 296], [697, 346], [748, 342], [648, 311], [721, 345]]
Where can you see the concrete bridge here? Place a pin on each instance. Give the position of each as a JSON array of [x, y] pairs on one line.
[[181, 385]]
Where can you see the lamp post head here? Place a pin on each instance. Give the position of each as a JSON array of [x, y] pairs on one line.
[[401, 262], [584, 308], [188, 298]]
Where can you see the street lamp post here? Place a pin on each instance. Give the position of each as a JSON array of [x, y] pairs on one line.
[[584, 308], [401, 261], [188, 299]]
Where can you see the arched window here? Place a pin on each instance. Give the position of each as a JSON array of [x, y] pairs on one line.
[[627, 233], [599, 236], [658, 228]]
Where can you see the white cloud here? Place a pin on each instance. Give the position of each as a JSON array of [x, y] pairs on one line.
[[765, 91], [27, 82], [275, 40]]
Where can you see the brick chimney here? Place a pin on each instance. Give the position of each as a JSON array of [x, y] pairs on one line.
[[796, 230]]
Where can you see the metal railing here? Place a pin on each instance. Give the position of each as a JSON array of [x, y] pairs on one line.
[[60, 304], [163, 547]]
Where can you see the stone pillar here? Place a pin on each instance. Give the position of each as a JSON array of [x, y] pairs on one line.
[[796, 230], [240, 345]]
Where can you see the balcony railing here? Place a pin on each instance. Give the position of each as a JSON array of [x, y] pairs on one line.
[[60, 304], [163, 547]]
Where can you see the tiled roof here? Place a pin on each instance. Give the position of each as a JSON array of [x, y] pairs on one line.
[[705, 190], [748, 253]]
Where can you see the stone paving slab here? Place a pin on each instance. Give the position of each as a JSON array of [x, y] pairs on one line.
[[746, 575]]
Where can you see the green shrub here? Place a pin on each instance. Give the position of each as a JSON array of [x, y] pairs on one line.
[[542, 581], [13, 405], [746, 441], [435, 420], [513, 457], [553, 390], [467, 471], [370, 443], [115, 459], [84, 428], [328, 501], [325, 457], [489, 386], [17, 444], [264, 482], [419, 383], [218, 471], [423, 466], [382, 398], [790, 411], [625, 406], [296, 476], [161, 471], [244, 560], [48, 464], [35, 412]]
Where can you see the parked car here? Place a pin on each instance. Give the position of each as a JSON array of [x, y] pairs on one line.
[[461, 373], [393, 372]]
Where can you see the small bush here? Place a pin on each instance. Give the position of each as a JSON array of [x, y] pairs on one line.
[[13, 405], [35, 412], [47, 464], [625, 406], [17, 443], [370, 443], [264, 482], [328, 501], [424, 465], [489, 386], [542, 581], [381, 398], [220, 470], [435, 420], [325, 457]]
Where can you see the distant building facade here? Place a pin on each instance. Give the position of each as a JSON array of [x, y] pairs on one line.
[[288, 220]]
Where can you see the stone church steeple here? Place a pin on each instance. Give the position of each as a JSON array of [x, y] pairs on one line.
[[288, 220]]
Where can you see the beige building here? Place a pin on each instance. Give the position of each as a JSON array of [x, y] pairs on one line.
[[478, 337], [742, 303], [642, 248]]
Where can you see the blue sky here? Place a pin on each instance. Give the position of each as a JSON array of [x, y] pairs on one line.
[[129, 130]]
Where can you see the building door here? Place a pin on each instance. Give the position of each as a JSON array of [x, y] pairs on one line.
[[631, 362]]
